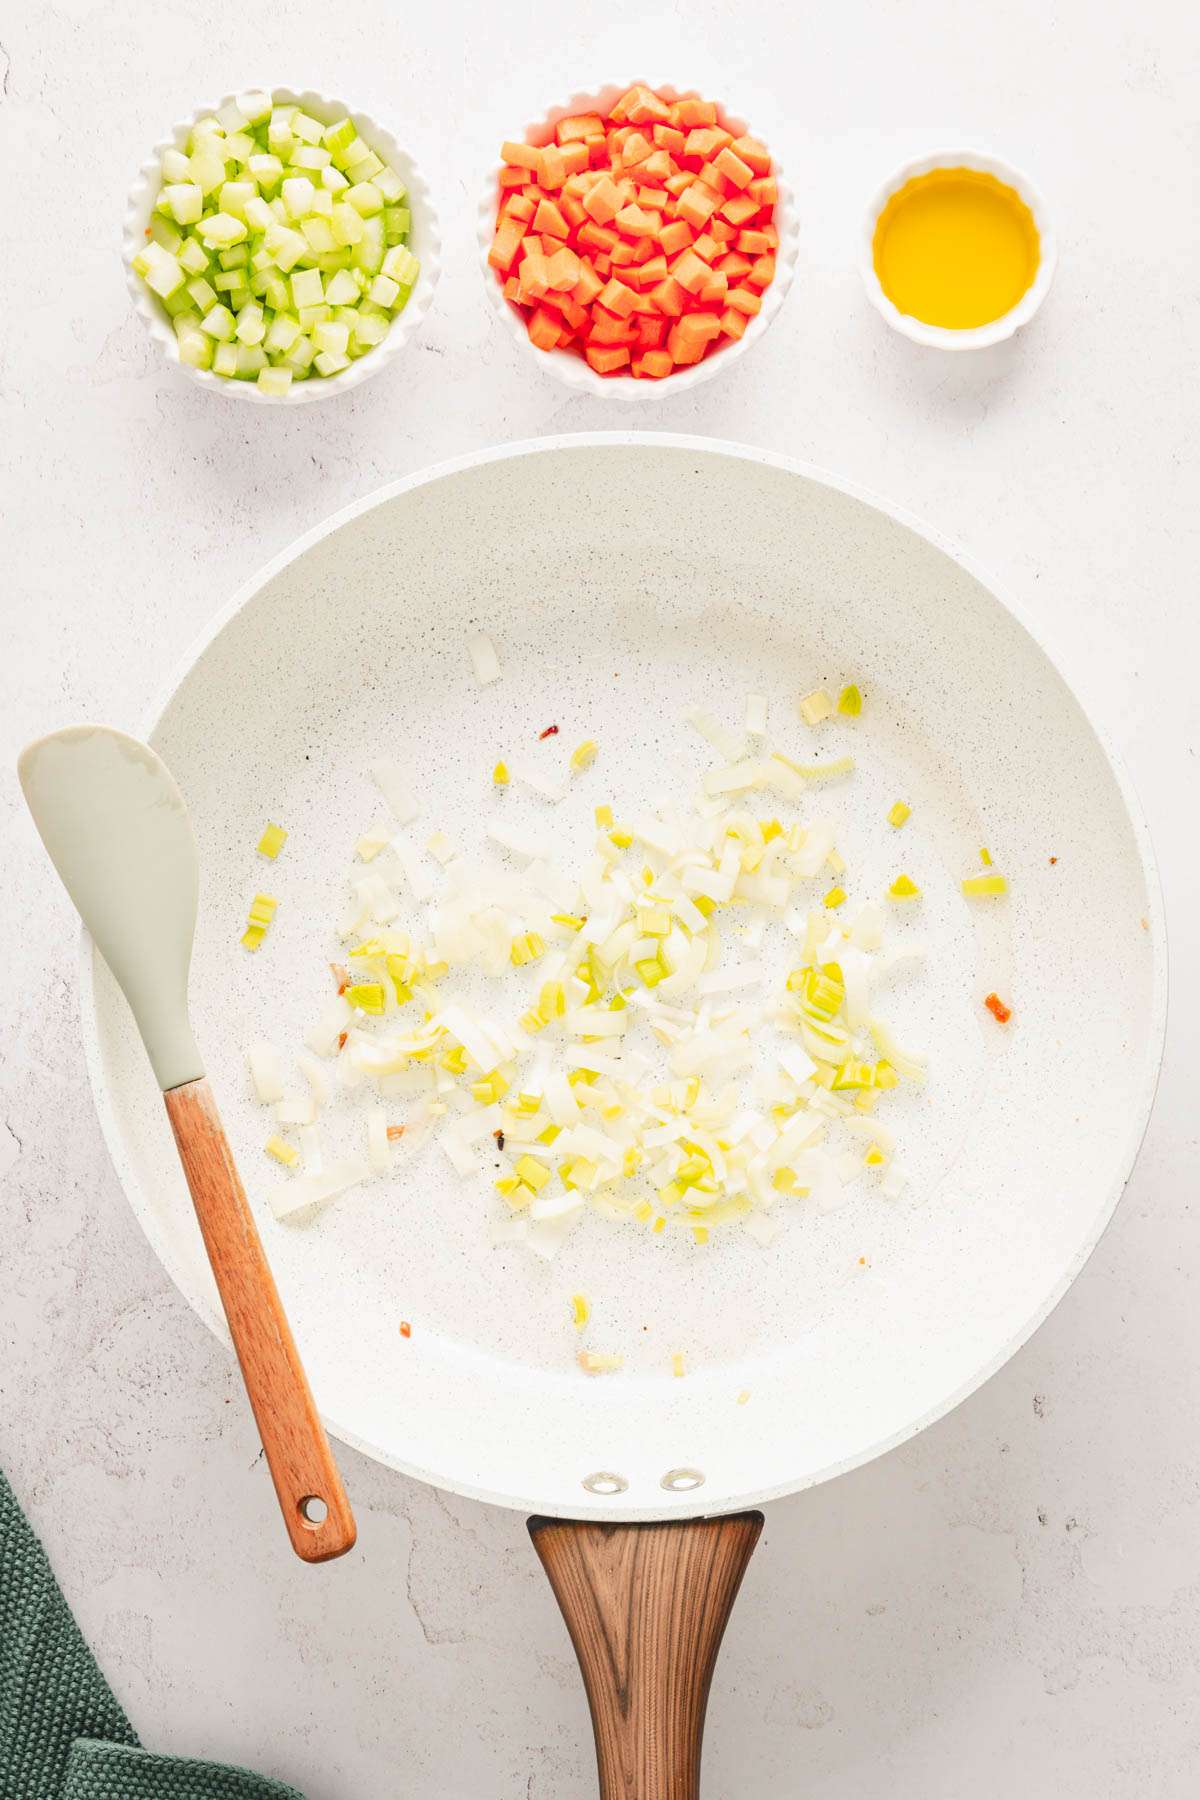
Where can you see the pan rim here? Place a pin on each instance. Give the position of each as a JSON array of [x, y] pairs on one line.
[[591, 1507]]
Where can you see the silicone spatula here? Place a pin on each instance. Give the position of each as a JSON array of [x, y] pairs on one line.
[[118, 833]]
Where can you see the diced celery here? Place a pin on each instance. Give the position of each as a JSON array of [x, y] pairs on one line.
[[185, 201], [275, 381], [313, 315], [397, 223], [308, 129], [221, 230], [194, 257], [401, 265], [301, 353], [287, 247], [389, 185], [371, 329], [346, 224], [177, 303], [329, 364], [297, 196], [226, 280], [195, 350], [281, 334], [320, 238], [175, 165], [350, 153], [230, 117], [310, 156], [238, 297], [276, 293], [322, 206], [219, 323], [365, 198], [307, 288], [341, 289], [225, 358], [266, 170], [234, 258], [258, 283], [233, 197], [366, 168], [202, 293], [250, 359], [164, 234], [204, 131], [161, 270], [332, 180], [254, 107], [207, 169], [258, 214], [383, 290], [239, 146], [250, 326], [331, 338], [280, 139], [339, 135]]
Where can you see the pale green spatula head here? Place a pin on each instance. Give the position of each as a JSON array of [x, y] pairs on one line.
[[118, 833]]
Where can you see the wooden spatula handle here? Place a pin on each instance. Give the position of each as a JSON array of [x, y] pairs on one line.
[[315, 1508], [646, 1607]]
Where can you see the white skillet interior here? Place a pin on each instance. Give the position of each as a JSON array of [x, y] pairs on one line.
[[623, 578]]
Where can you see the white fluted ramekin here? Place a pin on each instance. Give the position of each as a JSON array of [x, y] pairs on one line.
[[566, 365], [424, 241], [941, 337]]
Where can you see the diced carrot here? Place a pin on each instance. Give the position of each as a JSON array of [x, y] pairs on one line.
[[552, 171], [707, 247], [755, 154], [733, 323], [733, 168], [506, 243], [650, 272], [575, 158], [589, 284], [520, 156], [512, 178], [690, 271], [690, 336], [534, 272], [697, 205], [771, 233], [641, 105], [744, 300], [602, 201], [549, 219], [753, 243], [608, 329], [735, 265], [739, 209], [761, 272], [650, 331], [549, 244], [693, 112], [572, 210], [655, 363], [512, 289], [656, 168], [669, 297], [649, 198], [635, 149], [606, 361], [597, 151], [623, 254], [635, 221], [578, 127], [544, 329], [716, 287], [618, 298], [722, 230], [712, 178], [598, 237], [677, 184], [676, 236], [602, 265], [577, 316], [764, 191], [517, 206], [562, 270], [706, 141]]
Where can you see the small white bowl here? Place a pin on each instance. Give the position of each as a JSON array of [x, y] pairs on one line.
[[571, 369], [941, 337], [424, 241]]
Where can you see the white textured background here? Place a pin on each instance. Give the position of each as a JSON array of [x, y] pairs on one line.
[[1012, 1601]]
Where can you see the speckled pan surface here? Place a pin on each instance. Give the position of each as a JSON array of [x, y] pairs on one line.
[[752, 575]]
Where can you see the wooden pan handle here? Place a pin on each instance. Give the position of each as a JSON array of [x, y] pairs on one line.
[[646, 1607], [314, 1504]]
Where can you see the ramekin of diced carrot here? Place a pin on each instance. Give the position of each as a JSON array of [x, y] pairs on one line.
[[638, 234]]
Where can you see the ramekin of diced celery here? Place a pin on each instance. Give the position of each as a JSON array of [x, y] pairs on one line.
[[280, 247]]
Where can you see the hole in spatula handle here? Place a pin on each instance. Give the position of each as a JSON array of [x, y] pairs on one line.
[[313, 1510]]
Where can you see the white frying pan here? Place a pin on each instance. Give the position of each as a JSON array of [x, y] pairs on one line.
[[624, 576]]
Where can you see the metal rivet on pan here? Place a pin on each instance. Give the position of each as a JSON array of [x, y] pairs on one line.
[[681, 1481], [604, 1482]]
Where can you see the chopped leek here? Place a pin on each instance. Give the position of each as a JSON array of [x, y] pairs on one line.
[[904, 888], [984, 887], [850, 702], [272, 841], [898, 814], [816, 706]]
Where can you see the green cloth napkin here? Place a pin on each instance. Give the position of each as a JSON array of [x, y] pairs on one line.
[[62, 1734]]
